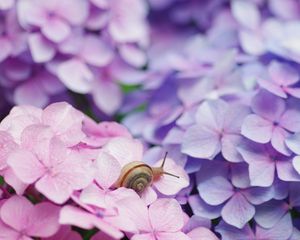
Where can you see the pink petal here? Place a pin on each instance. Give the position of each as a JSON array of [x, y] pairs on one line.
[[76, 76], [133, 210], [238, 211], [26, 166], [12, 180], [149, 195], [201, 142], [171, 236], [96, 52], [93, 195], [8, 233], [109, 170], [125, 150], [202, 233], [257, 129], [170, 185], [146, 236], [65, 233], [41, 49], [65, 121], [19, 118], [56, 30], [15, 211], [283, 74], [216, 190], [55, 189], [43, 220], [166, 215], [100, 236], [36, 139], [7, 145], [75, 216]]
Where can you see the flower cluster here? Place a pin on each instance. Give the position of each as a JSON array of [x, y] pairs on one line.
[[214, 83], [69, 166], [225, 103], [85, 46]]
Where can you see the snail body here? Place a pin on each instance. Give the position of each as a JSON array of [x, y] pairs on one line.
[[138, 176]]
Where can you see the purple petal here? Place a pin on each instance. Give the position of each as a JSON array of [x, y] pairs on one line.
[[268, 105], [240, 175], [133, 55], [202, 209], [286, 171], [201, 142], [257, 129], [278, 140], [293, 143], [56, 30], [41, 49], [76, 76], [237, 211], [246, 13], [294, 196], [290, 120], [6, 48], [283, 74], [96, 52], [107, 95], [31, 93], [229, 150], [216, 190], [269, 213], [212, 114], [229, 232], [272, 87], [282, 230]]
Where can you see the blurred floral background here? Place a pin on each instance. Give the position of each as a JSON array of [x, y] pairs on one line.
[[215, 83]]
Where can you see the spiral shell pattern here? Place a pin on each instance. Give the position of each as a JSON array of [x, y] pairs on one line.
[[138, 178]]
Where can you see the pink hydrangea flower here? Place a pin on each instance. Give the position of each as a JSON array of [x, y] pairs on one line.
[[20, 219], [56, 170], [127, 150], [163, 219]]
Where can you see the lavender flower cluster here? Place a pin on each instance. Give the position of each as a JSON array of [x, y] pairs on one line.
[[215, 83]]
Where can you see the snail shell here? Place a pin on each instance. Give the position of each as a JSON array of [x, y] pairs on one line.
[[138, 176]]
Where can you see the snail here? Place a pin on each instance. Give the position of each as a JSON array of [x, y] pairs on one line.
[[138, 175]]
